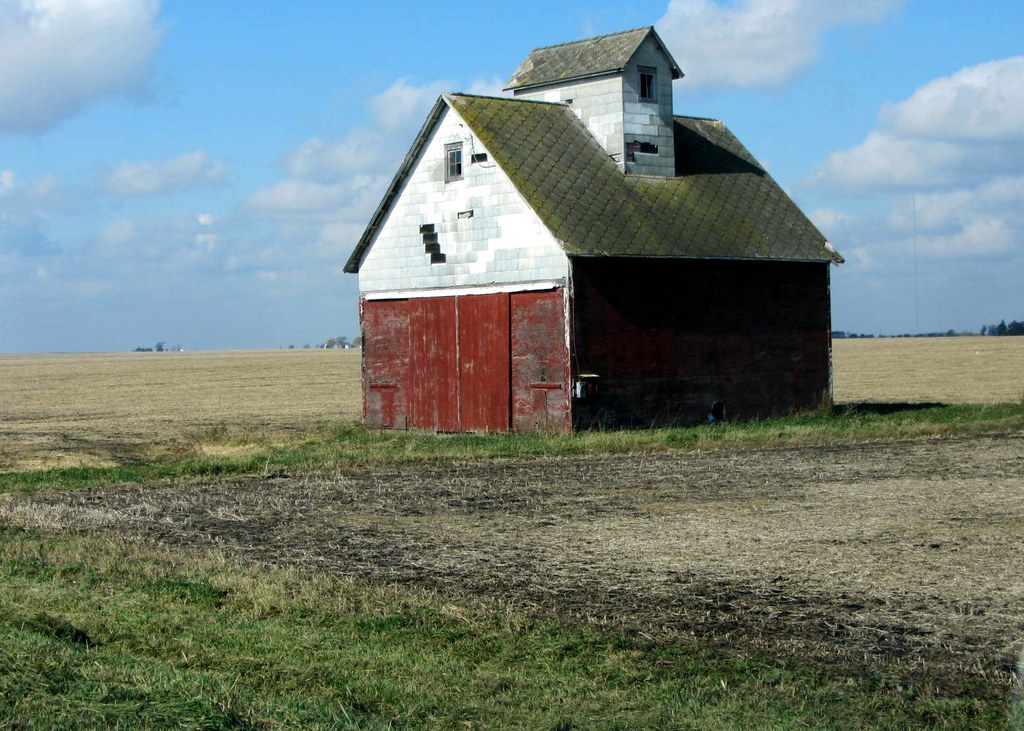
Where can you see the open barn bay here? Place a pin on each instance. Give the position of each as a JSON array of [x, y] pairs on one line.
[[594, 581]]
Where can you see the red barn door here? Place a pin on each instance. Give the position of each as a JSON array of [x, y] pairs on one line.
[[484, 391], [540, 363], [469, 363]]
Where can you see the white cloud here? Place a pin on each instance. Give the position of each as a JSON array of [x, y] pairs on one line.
[[983, 102], [297, 197], [323, 160], [59, 56], [493, 86], [404, 104], [191, 170], [755, 42], [959, 129], [6, 182]]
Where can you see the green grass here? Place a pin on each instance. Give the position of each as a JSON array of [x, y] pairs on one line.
[[343, 446], [99, 634]]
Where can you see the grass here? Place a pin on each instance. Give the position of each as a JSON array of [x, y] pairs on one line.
[[96, 633], [222, 451]]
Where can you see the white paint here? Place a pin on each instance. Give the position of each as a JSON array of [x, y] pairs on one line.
[[504, 243], [463, 291], [610, 106]]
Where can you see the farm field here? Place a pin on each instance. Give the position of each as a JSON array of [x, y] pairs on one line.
[[770, 551], [107, 408], [96, 409], [893, 560]]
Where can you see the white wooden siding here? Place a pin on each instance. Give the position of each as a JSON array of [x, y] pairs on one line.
[[503, 242]]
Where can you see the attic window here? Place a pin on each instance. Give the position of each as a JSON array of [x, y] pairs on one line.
[[645, 148], [648, 84], [453, 162]]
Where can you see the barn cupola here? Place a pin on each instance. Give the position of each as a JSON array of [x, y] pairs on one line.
[[620, 86]]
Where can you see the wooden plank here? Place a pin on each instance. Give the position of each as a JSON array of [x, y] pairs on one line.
[[433, 367], [484, 377], [540, 362], [385, 363]]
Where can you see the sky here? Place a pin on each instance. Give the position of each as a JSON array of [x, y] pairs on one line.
[[198, 173]]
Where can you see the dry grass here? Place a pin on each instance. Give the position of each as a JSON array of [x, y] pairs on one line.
[[774, 551], [99, 409], [113, 408], [958, 370]]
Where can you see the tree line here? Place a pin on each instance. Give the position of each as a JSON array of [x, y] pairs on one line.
[[1014, 328]]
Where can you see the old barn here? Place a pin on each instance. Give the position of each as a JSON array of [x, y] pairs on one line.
[[578, 255]]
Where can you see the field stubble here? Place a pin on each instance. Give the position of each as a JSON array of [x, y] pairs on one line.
[[902, 560], [103, 409]]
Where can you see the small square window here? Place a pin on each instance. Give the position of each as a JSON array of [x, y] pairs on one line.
[[453, 162], [648, 84]]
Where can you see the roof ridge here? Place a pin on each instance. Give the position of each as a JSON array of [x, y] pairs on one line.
[[593, 38], [518, 100], [693, 116]]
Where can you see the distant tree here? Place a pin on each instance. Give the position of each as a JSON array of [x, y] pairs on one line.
[[984, 330], [341, 341], [159, 347], [357, 341], [331, 342], [1015, 328], [1001, 328]]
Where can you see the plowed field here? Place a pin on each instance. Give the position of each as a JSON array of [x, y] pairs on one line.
[[899, 559]]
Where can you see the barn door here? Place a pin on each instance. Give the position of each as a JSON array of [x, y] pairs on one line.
[[483, 340], [540, 362], [433, 365], [385, 363], [470, 363]]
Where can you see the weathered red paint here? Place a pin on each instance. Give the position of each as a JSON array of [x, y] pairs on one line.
[[540, 362], [669, 338], [666, 339], [484, 389], [433, 366], [458, 363], [385, 363]]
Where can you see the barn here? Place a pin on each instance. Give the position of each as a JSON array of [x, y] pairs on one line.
[[578, 255]]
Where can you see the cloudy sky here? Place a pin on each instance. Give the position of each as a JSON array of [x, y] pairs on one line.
[[198, 173]]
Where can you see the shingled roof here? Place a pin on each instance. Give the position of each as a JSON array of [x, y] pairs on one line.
[[584, 59], [722, 204]]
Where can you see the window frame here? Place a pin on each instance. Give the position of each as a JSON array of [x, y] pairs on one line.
[[451, 175], [652, 72]]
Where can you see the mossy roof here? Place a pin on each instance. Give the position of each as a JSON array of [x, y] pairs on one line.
[[583, 59], [720, 205]]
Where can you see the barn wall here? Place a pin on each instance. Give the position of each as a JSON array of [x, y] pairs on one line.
[[669, 338], [649, 121], [484, 230], [597, 102], [483, 362]]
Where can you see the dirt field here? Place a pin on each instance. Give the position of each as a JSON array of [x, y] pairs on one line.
[[102, 409], [973, 370], [903, 559]]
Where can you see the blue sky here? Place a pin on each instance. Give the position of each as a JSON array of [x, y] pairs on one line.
[[198, 173]]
